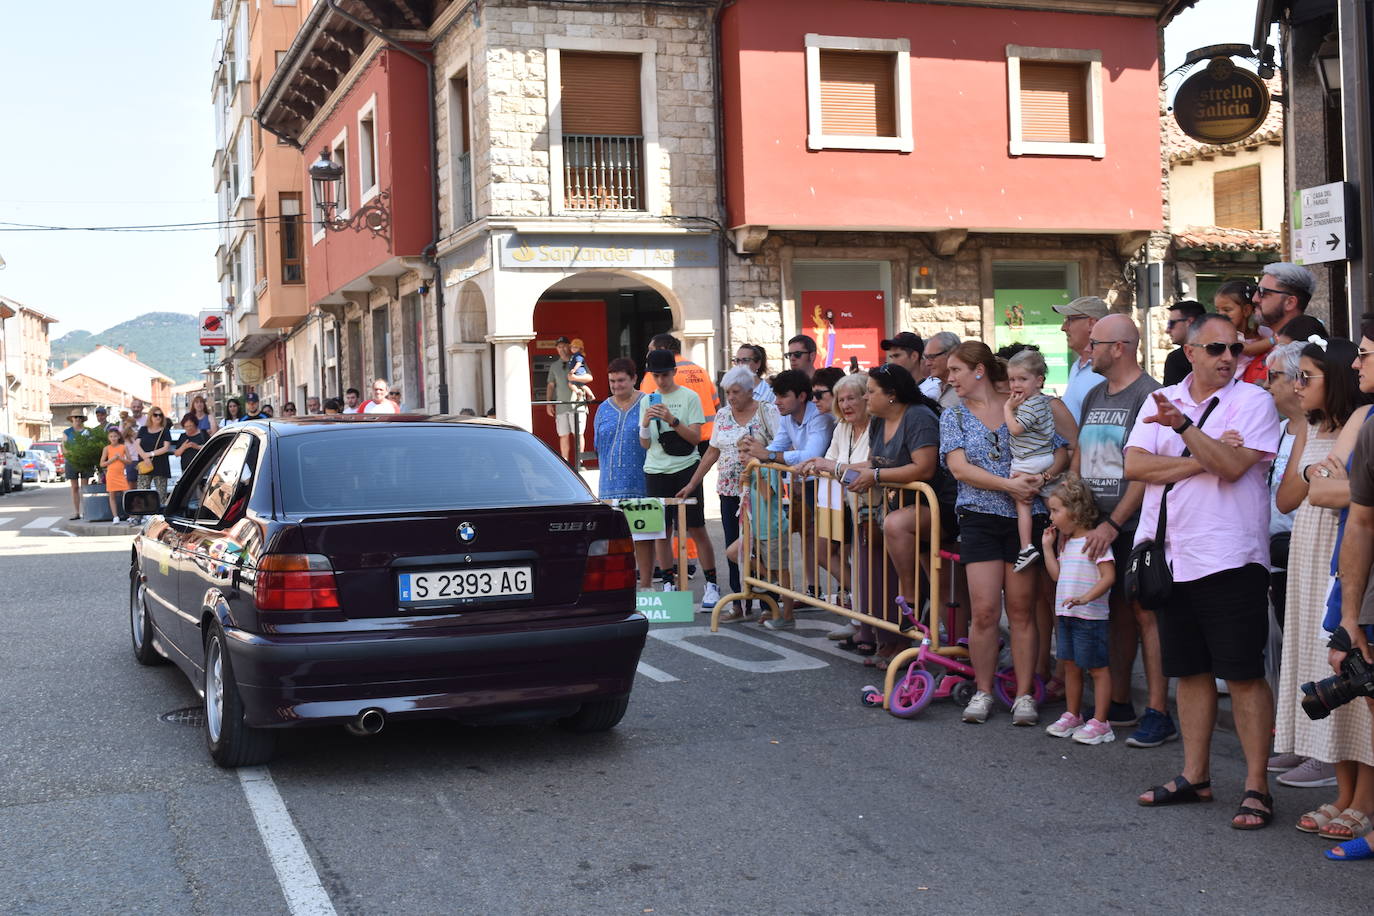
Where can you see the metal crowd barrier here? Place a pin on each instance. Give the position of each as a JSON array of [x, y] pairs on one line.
[[772, 498]]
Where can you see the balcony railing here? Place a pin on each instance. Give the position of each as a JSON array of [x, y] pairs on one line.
[[603, 172]]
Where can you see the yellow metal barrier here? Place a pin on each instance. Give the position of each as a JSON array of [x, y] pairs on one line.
[[776, 503]]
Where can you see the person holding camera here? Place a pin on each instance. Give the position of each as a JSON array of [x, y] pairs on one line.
[[1335, 749], [670, 422], [1349, 652], [1215, 622]]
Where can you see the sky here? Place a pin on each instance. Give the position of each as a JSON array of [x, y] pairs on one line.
[[106, 120]]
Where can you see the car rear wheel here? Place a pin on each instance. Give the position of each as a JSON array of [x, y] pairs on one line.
[[231, 742], [140, 625], [598, 716]]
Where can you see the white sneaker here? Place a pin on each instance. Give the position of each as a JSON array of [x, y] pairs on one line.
[[667, 585], [1023, 711], [978, 708], [710, 596], [1065, 725]]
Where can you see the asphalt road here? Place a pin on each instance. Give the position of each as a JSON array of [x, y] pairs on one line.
[[752, 781]]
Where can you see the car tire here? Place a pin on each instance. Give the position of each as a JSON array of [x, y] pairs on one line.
[[231, 743], [598, 716], [141, 624], [4, 483]]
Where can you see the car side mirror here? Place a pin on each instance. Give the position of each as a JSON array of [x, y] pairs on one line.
[[142, 502]]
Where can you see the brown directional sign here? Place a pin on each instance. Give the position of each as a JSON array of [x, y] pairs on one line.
[[1222, 104]]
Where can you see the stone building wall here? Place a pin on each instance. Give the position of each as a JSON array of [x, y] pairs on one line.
[[508, 88], [757, 284]]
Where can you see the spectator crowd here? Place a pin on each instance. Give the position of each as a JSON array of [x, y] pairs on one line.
[[1249, 470]]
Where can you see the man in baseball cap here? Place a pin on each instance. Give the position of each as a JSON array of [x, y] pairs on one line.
[[1079, 317], [906, 349], [252, 409], [1283, 293], [102, 419]]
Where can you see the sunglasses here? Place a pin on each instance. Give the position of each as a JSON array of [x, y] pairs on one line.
[[155, 413], [820, 392], [933, 356], [1304, 379], [742, 360], [1263, 291], [1275, 376], [798, 354], [1362, 355], [1217, 348], [1094, 343], [994, 447]]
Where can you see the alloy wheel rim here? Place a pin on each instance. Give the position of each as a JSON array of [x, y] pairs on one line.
[[214, 689]]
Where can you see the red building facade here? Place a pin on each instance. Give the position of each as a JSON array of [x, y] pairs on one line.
[[963, 167]]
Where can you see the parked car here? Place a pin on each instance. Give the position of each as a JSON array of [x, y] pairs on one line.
[[54, 450], [11, 465], [351, 570], [38, 467]]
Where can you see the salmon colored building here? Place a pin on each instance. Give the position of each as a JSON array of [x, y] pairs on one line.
[[935, 166]]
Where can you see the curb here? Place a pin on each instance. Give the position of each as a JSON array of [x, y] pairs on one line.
[[98, 529]]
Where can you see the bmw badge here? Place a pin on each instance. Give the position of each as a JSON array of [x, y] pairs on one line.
[[466, 533]]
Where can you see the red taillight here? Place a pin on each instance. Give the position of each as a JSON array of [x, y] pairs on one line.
[[295, 582], [610, 566]]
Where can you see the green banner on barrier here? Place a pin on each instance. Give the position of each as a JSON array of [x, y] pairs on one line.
[[667, 607], [644, 515]]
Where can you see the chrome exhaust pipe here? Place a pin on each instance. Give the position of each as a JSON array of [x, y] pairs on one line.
[[367, 723]]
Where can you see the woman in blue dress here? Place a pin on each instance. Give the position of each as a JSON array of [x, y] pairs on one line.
[[619, 453]]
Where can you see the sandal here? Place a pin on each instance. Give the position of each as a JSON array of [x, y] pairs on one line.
[[1183, 793], [1316, 821], [1054, 690], [1265, 816], [862, 648], [1352, 851], [1350, 824]]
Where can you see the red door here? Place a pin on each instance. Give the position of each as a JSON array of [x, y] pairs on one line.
[[845, 324], [574, 319]]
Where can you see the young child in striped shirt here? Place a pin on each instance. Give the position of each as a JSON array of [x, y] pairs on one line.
[[1030, 420], [1080, 607]]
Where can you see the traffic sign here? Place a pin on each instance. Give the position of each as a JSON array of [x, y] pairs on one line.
[[1320, 232]]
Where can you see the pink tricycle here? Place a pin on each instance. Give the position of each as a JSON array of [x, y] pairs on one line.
[[914, 690]]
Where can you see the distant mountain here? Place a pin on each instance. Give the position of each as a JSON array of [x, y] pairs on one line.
[[167, 341]]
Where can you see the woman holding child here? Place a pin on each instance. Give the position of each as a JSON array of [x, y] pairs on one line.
[[975, 444]]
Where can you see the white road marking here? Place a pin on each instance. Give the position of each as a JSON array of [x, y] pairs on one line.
[[6, 519], [822, 644], [300, 883], [786, 660], [655, 674], [43, 521]]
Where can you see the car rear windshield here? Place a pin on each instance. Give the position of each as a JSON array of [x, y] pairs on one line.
[[377, 467], [51, 448]]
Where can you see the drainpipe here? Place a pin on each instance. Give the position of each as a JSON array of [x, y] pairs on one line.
[[723, 270], [430, 252]]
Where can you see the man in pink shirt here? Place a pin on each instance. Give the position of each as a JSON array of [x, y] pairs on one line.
[[379, 402], [1217, 543]]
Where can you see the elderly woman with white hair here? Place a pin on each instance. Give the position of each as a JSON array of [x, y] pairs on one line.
[[744, 415], [1282, 363]]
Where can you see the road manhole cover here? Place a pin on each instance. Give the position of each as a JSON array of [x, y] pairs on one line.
[[193, 716]]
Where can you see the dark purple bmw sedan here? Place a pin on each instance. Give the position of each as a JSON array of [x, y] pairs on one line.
[[351, 570]]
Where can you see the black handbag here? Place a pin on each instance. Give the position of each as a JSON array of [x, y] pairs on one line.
[[1149, 580]]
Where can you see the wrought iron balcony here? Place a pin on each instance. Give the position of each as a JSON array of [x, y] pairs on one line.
[[603, 172]]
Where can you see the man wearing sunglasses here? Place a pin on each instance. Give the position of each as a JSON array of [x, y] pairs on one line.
[[1216, 541], [1079, 316], [801, 354], [1183, 314], [1283, 293], [935, 363]]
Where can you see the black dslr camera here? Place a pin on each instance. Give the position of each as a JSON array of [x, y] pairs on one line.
[[1355, 680]]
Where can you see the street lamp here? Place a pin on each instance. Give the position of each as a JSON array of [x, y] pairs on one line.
[[373, 216], [1328, 60]]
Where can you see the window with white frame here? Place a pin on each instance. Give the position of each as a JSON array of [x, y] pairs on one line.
[[603, 163], [367, 150], [858, 93], [1055, 102]]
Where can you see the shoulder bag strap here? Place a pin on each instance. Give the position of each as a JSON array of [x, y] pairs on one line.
[[1163, 498]]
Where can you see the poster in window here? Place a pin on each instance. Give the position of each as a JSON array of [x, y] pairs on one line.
[[847, 326]]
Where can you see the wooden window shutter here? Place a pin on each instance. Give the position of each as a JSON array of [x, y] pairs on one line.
[[1054, 102], [600, 94], [858, 94], [1236, 198]]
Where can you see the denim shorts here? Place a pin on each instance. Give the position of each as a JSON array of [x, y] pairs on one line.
[[1083, 642]]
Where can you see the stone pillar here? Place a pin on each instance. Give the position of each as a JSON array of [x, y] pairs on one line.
[[698, 343], [513, 393]]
